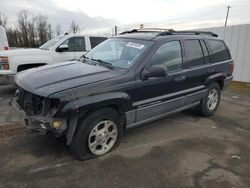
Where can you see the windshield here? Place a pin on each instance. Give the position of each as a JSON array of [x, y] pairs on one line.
[[119, 52], [48, 45]]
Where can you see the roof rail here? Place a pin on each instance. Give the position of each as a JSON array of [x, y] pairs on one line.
[[145, 30], [162, 32], [189, 32]]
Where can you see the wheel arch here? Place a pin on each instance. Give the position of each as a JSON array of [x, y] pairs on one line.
[[29, 66], [218, 78], [79, 109]]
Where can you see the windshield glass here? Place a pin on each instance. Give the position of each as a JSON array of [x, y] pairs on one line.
[[48, 45], [119, 52]]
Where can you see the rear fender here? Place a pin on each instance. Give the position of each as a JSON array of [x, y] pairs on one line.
[[215, 78]]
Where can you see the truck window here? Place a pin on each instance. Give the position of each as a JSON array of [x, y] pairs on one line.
[[219, 50], [94, 41], [194, 53], [169, 55], [75, 44]]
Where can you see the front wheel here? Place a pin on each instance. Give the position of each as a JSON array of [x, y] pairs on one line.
[[210, 101], [99, 133]]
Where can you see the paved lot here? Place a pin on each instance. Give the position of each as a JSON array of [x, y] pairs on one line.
[[183, 150]]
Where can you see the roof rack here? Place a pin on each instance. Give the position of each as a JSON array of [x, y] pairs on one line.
[[163, 32], [189, 32], [147, 30]]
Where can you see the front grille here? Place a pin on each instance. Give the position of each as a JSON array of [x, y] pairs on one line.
[[32, 104]]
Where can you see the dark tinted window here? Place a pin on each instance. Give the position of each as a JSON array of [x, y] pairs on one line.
[[219, 51], [194, 53], [169, 55], [75, 44], [94, 41]]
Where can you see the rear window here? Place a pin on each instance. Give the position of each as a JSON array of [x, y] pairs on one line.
[[219, 51], [94, 41]]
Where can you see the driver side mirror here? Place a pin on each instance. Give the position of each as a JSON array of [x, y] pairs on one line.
[[154, 71], [62, 47]]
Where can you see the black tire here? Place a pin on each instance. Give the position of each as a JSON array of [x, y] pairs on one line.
[[79, 145], [203, 108]]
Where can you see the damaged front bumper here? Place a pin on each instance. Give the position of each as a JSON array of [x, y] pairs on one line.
[[39, 123]]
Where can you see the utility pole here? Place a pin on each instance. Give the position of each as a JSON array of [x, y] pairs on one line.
[[228, 7], [116, 30]]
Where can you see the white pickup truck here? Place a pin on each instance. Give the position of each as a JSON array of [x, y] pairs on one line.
[[58, 49]]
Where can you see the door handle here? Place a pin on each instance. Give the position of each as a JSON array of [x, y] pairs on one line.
[[180, 78]]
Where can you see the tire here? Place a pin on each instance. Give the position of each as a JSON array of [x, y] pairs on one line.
[[97, 134], [206, 106]]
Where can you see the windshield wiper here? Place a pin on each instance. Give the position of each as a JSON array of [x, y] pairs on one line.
[[104, 63]]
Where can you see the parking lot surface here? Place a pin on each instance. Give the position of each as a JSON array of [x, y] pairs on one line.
[[182, 150]]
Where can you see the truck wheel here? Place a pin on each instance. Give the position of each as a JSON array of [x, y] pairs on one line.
[[99, 133], [210, 101]]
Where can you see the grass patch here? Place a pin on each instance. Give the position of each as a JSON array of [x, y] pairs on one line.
[[240, 87]]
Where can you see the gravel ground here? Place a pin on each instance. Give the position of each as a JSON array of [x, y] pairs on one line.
[[183, 150]]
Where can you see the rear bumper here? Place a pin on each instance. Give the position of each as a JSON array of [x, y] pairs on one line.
[[7, 77], [227, 81], [38, 123]]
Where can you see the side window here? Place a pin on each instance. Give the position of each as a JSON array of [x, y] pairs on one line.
[[94, 41], [194, 53], [75, 44], [219, 51], [168, 55]]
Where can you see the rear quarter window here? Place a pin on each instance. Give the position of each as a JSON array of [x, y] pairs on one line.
[[219, 51], [94, 41]]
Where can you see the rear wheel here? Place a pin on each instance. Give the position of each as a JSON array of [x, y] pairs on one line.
[[99, 133], [210, 101]]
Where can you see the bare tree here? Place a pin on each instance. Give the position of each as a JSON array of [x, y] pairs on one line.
[[3, 19], [44, 29], [58, 29], [23, 26], [32, 32], [74, 27]]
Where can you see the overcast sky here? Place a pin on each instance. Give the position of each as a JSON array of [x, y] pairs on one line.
[[100, 16]]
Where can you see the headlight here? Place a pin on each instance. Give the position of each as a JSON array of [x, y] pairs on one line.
[[4, 63]]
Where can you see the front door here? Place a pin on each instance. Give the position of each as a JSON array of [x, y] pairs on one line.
[[76, 48], [157, 96]]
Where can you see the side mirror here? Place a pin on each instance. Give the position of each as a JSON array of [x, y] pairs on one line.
[[154, 71], [62, 47]]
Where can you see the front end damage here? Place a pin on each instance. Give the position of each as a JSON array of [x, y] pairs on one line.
[[38, 113]]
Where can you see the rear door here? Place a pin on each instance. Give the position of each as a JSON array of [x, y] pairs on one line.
[[196, 66]]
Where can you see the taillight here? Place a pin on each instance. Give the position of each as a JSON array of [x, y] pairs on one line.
[[6, 48], [231, 68], [4, 63]]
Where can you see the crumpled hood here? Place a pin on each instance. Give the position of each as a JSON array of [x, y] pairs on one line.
[[23, 52], [50, 79]]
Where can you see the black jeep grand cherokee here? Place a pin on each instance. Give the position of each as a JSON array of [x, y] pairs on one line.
[[134, 78]]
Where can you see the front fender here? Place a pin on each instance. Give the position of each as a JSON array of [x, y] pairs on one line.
[[96, 101]]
